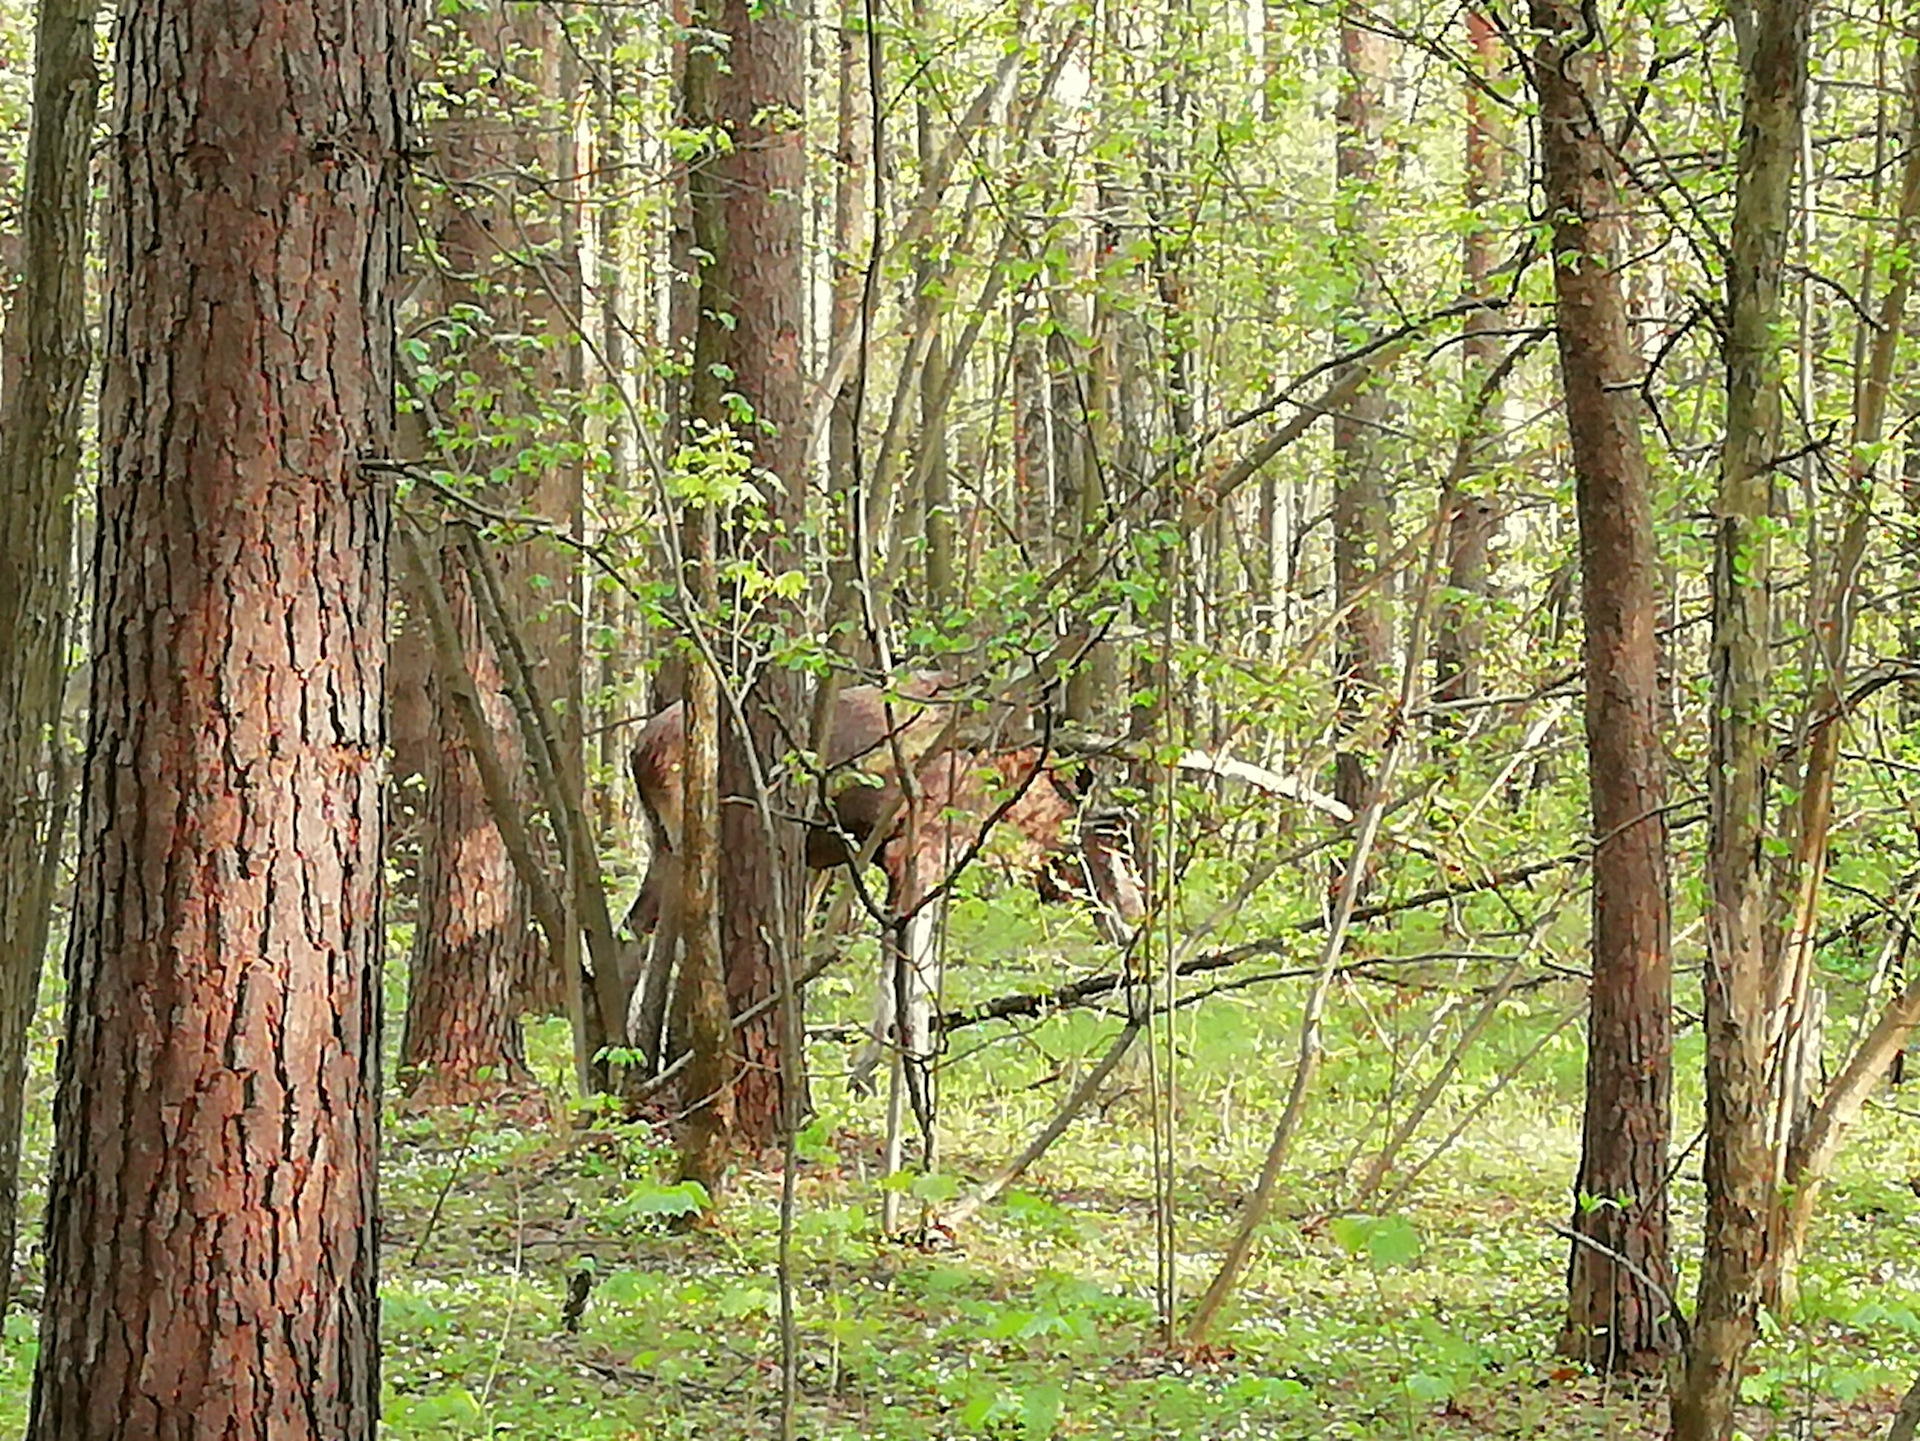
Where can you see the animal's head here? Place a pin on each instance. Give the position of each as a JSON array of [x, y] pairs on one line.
[[1098, 866]]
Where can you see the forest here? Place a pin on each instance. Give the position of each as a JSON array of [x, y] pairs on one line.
[[862, 719]]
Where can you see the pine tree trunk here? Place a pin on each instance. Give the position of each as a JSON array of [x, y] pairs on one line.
[[745, 209], [474, 943], [45, 385], [762, 99], [210, 1229], [1618, 1312]]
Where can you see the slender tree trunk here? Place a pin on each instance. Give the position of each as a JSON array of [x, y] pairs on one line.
[[1812, 1136], [1740, 1177], [1362, 530], [1618, 1310], [211, 1253], [1460, 634], [846, 322], [44, 393], [700, 1010], [703, 1015], [936, 497]]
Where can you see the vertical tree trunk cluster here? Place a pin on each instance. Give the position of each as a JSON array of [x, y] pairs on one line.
[[1742, 950], [43, 384], [1619, 1285], [210, 1244], [474, 944]]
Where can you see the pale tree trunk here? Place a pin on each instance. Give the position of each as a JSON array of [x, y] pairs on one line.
[[1032, 444], [1152, 662], [935, 488], [1740, 1177], [1811, 1138], [45, 384], [211, 1252], [1362, 529], [1619, 1308]]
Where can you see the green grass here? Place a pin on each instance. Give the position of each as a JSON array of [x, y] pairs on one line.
[[1038, 1321]]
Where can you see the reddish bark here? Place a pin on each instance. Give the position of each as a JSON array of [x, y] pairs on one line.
[[759, 99], [475, 947], [497, 234], [1615, 1317], [210, 1228]]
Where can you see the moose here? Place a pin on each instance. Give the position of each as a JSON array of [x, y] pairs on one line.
[[1019, 799]]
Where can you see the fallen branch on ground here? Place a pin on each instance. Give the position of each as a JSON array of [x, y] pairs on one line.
[[1038, 1003]]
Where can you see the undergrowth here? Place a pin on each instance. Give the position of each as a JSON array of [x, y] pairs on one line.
[[534, 1285]]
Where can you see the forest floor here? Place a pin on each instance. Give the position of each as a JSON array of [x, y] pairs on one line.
[[1037, 1319]]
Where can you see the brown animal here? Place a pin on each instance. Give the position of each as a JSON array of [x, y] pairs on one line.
[[1014, 805]]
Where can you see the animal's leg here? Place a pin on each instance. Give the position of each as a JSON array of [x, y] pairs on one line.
[[633, 958], [880, 1029], [647, 1014], [920, 983]]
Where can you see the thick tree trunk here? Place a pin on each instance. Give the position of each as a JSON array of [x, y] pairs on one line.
[[744, 204], [474, 942], [761, 97], [1619, 1311], [1741, 955], [504, 262], [210, 1228], [45, 384], [1362, 528]]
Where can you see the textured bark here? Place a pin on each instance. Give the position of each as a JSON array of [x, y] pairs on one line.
[[1362, 528], [760, 97], [45, 382], [462, 1040], [500, 237], [210, 1228], [1738, 981], [1614, 1317], [1906, 1420], [704, 1017]]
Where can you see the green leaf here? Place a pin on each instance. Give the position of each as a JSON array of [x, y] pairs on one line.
[[1040, 1408]]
